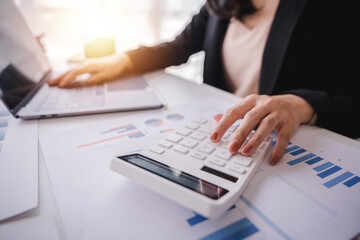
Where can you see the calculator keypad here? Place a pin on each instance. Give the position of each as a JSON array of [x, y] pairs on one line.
[[192, 140]]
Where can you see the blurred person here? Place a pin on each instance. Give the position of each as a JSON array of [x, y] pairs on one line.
[[291, 60]]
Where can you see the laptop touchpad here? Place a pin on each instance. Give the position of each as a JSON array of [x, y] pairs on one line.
[[132, 83]]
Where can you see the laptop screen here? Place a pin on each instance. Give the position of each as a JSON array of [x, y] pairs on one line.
[[22, 61]]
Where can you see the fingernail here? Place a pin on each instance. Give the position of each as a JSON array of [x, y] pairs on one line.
[[214, 136], [234, 146], [247, 148], [274, 160]]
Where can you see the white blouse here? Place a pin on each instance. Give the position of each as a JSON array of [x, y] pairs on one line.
[[243, 48]]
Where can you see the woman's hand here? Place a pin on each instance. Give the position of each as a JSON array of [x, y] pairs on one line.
[[283, 113], [101, 70]]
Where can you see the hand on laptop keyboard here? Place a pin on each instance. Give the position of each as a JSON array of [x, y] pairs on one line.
[[101, 70]]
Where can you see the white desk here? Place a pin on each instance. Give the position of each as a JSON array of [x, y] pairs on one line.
[[176, 92]]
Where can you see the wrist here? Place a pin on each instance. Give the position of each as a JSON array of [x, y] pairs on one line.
[[125, 61], [305, 111]]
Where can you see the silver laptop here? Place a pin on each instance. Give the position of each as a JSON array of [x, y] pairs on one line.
[[25, 70]]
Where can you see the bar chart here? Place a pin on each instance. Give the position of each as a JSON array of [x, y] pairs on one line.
[[277, 201], [239, 229], [154, 122], [324, 169], [123, 131]]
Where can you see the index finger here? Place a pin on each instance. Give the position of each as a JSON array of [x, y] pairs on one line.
[[55, 81], [66, 78], [230, 116]]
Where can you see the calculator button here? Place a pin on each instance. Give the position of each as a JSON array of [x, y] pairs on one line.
[[189, 143], [200, 121], [206, 148], [213, 143], [165, 143], [198, 136], [181, 149], [261, 146], [226, 136], [254, 154], [205, 129], [217, 162], [267, 139], [242, 160], [192, 125], [250, 135], [232, 128], [224, 144], [198, 155], [157, 150], [237, 169], [184, 132], [174, 138], [223, 154]]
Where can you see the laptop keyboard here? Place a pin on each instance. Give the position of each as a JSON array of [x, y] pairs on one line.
[[57, 99]]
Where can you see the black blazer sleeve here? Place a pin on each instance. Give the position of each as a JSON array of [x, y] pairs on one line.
[[176, 52], [318, 62]]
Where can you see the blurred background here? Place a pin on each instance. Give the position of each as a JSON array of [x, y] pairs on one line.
[[66, 24]]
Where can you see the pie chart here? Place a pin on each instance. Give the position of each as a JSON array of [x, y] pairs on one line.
[[175, 117], [154, 122]]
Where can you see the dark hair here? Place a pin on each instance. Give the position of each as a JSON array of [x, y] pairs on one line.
[[230, 8]]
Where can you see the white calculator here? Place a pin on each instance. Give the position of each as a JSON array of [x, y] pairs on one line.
[[189, 169]]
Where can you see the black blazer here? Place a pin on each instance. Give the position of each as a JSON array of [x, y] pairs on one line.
[[310, 52]]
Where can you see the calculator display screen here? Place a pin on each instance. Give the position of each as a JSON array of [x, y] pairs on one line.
[[184, 179]]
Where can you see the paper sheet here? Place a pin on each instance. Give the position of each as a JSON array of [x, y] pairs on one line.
[[30, 229], [95, 202], [313, 193], [18, 165]]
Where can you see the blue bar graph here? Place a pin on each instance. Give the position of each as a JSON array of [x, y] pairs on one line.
[[4, 122], [136, 135], [352, 181], [238, 230], [328, 172], [314, 160], [196, 219], [292, 148], [297, 152], [338, 179], [324, 169], [323, 166], [4, 112], [2, 134], [301, 159]]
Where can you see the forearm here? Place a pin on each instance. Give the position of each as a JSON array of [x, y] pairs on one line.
[[336, 112], [176, 52]]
